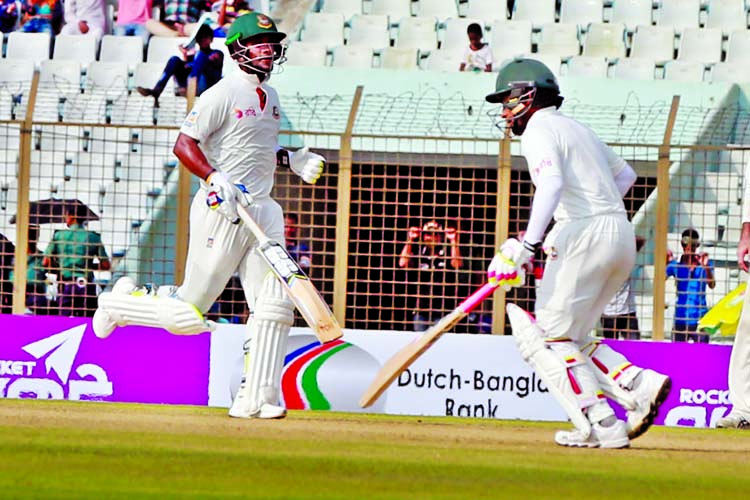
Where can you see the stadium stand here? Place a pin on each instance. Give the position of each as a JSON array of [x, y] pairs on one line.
[[306, 54], [581, 12], [394, 9], [508, 39], [700, 45], [559, 39], [126, 49], [324, 28], [349, 56], [78, 48], [604, 40], [679, 14], [398, 58], [655, 43], [489, 11], [440, 9], [370, 31], [632, 13], [347, 8], [30, 46], [684, 71], [539, 12], [416, 33], [634, 69], [587, 67]]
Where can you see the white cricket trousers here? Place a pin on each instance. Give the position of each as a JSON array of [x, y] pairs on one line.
[[739, 364], [588, 260], [217, 248]]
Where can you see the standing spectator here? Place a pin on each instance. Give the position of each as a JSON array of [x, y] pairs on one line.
[[478, 55], [71, 254], [7, 249], [434, 264], [132, 16], [177, 15], [37, 299], [10, 15], [84, 17], [299, 250], [619, 319], [692, 272], [38, 16], [205, 66]]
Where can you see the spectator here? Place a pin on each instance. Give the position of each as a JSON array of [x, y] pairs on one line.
[[7, 250], [84, 17], [71, 254], [619, 319], [37, 294], [10, 14], [38, 16], [177, 15], [433, 264], [205, 66], [693, 272], [300, 251], [132, 16], [478, 55]]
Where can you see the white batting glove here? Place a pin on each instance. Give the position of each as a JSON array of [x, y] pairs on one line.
[[508, 267], [309, 166], [224, 196]]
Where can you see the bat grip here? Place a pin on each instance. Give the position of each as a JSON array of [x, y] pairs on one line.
[[477, 297]]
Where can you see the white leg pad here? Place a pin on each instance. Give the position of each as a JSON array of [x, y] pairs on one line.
[[259, 394], [140, 308], [564, 370], [613, 371]]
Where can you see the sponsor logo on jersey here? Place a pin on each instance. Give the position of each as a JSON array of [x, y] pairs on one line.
[[190, 119], [276, 113], [264, 22], [239, 113]]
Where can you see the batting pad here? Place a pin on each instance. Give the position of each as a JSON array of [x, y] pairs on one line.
[[613, 372]]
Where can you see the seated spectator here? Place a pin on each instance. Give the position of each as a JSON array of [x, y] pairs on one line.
[[37, 16], [71, 255], [205, 66], [299, 250], [693, 272], [132, 16], [84, 17], [177, 15], [38, 294], [10, 15], [478, 55]]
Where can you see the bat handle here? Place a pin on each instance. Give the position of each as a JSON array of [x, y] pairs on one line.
[[477, 297]]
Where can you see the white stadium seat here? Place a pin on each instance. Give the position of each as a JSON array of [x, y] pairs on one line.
[[489, 11], [16, 71], [726, 15], [634, 69], [147, 74], [417, 33], [684, 71], [632, 13], [160, 48], [127, 49], [581, 12], [347, 8], [539, 12], [398, 58], [108, 77], [700, 45], [738, 48], [56, 72], [587, 66], [728, 72], [324, 28], [440, 9], [352, 56], [442, 60], [508, 39], [306, 54], [605, 40], [653, 42], [394, 9], [370, 31], [679, 14], [31, 46], [559, 39], [79, 48]]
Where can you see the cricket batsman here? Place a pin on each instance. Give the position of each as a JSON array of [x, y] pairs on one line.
[[590, 253], [230, 141]]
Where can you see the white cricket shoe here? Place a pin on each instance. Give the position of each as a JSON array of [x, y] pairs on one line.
[[102, 322], [241, 407], [614, 436], [650, 392], [734, 420]]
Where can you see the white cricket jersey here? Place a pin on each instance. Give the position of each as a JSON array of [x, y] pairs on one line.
[[746, 195], [556, 145], [477, 59], [237, 124]]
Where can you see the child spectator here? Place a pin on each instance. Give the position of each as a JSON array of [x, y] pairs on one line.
[[478, 55], [131, 18]]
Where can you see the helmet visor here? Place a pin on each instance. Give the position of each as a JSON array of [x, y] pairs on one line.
[[259, 57]]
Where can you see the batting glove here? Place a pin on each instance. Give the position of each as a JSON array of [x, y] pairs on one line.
[[508, 267], [224, 196], [309, 166]]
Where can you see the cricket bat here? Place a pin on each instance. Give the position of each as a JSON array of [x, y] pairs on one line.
[[409, 353], [303, 293]]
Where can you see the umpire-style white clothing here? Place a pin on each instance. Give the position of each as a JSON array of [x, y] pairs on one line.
[[591, 249]]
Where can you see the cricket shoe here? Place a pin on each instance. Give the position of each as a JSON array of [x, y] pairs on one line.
[[102, 322], [241, 407], [650, 391], [734, 420], [614, 436]]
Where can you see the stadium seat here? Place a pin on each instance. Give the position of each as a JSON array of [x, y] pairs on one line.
[[79, 48], [347, 8], [160, 49], [738, 47], [684, 71], [655, 43], [416, 33], [489, 11], [55, 74], [581, 12], [731, 72], [352, 56], [632, 13], [442, 60], [587, 66], [440, 9], [370, 31], [306, 54], [634, 69], [508, 39], [394, 9], [48, 167], [16, 70], [559, 39], [108, 77], [147, 74], [30, 46], [700, 45], [398, 58], [127, 49], [604, 40], [454, 37], [726, 15], [324, 28], [539, 12], [679, 14]]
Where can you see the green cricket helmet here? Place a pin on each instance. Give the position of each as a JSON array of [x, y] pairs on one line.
[[245, 35]]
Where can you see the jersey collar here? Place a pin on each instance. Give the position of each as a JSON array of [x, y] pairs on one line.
[[248, 77]]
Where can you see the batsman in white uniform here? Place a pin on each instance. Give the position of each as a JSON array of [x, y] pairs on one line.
[[590, 252], [230, 140], [739, 362]]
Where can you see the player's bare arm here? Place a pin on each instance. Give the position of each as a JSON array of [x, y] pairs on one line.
[[188, 151], [743, 249]]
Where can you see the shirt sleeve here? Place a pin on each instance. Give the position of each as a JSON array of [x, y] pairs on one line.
[[615, 162], [69, 11], [207, 115], [671, 269], [542, 152]]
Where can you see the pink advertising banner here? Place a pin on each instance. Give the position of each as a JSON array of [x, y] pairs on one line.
[[61, 358]]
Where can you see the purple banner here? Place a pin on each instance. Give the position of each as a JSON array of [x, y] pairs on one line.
[[700, 394], [61, 358]]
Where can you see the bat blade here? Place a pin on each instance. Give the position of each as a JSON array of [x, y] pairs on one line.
[[409, 353], [313, 308]]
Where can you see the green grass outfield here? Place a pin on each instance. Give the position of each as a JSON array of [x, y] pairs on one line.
[[101, 450]]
